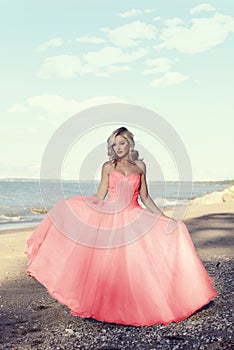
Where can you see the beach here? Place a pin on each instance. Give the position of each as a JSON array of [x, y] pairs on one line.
[[32, 319]]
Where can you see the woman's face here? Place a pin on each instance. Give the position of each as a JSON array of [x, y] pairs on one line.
[[121, 146]]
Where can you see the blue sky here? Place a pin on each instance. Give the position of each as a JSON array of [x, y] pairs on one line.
[[174, 57]]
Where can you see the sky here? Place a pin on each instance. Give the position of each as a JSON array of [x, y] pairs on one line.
[[172, 57]]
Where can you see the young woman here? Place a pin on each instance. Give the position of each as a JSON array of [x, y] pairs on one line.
[[114, 260]]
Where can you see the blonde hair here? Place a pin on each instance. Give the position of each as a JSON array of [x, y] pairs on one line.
[[124, 132]]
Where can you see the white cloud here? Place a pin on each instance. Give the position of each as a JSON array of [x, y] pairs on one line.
[[169, 78], [62, 66], [134, 13], [108, 70], [157, 65], [130, 13], [114, 69], [112, 55], [99, 63], [90, 40], [202, 8], [157, 18], [173, 22], [149, 10], [17, 108], [50, 43], [204, 34], [130, 34], [52, 104]]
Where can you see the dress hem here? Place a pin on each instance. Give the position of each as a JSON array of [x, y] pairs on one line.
[[85, 314]]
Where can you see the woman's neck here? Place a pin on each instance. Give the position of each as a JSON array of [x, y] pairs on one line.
[[124, 160]]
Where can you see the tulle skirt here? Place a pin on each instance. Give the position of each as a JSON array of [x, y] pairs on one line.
[[154, 278]]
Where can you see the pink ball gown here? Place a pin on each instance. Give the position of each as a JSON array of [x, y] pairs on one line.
[[115, 261]]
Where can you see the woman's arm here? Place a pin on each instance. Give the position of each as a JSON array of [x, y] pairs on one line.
[[144, 195], [103, 187]]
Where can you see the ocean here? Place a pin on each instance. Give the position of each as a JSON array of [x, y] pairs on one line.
[[21, 203]]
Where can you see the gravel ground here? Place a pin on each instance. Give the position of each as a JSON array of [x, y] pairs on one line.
[[31, 319]]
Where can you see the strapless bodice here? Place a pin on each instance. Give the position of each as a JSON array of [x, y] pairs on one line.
[[124, 189]]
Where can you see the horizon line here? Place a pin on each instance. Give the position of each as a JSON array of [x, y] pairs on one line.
[[89, 180]]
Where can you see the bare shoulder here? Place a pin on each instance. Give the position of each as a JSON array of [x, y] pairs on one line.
[[141, 165], [107, 167]]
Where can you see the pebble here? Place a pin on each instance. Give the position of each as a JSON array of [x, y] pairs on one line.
[[44, 325]]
